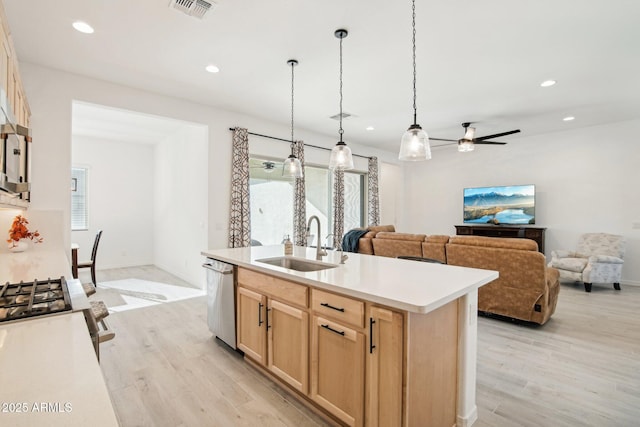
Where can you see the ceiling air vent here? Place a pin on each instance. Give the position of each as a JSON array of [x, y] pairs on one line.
[[345, 115], [197, 8]]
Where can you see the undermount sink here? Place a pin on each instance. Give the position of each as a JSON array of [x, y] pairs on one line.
[[298, 264]]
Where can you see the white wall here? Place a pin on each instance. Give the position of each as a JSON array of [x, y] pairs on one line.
[[586, 181], [120, 194], [179, 207], [51, 93], [390, 179]]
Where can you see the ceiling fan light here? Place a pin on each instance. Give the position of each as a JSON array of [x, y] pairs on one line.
[[414, 145], [341, 157], [268, 167], [465, 145], [469, 133], [292, 167]]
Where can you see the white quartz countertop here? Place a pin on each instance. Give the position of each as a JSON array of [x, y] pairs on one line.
[[414, 286], [34, 264], [50, 375]]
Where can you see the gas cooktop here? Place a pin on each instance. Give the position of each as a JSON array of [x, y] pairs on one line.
[[30, 299]]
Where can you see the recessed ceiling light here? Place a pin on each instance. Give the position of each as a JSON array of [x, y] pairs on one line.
[[370, 128], [568, 118], [83, 27], [548, 83], [212, 68]]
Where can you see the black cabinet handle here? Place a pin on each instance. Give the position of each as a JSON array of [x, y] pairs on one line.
[[371, 346], [260, 321], [324, 304], [267, 313], [333, 330]]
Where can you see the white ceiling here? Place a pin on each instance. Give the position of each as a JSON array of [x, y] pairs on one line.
[[97, 121], [479, 61]]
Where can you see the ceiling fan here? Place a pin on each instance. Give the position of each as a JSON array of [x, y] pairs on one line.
[[267, 166], [469, 140]]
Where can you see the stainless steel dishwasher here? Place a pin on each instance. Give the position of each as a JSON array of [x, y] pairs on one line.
[[221, 301]]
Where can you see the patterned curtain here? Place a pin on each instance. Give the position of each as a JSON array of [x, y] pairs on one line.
[[338, 208], [240, 217], [374, 196], [299, 201]]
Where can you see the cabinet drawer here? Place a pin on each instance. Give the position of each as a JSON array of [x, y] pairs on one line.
[[272, 286], [338, 307]]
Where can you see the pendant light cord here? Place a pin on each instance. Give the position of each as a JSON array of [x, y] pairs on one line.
[[415, 108], [292, 88], [341, 131]]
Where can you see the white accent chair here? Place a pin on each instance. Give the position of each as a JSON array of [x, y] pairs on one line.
[[598, 259]]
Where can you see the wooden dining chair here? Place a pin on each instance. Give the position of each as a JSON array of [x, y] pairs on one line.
[[92, 264]]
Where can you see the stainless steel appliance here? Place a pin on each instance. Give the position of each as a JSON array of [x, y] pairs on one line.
[[15, 173], [28, 300], [221, 316]]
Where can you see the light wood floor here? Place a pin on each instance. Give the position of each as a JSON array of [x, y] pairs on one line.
[[580, 369]]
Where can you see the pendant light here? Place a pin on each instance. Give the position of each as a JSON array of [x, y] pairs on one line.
[[292, 167], [415, 141], [341, 157]]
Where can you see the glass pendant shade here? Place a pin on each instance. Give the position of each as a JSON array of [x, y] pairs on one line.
[[465, 145], [415, 145], [292, 167], [341, 157]]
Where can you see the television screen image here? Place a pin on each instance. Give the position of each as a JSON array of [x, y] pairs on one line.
[[500, 205]]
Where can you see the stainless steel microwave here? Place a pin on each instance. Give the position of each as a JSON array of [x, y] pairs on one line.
[[14, 159]]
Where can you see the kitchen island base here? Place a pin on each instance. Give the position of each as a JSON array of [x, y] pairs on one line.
[[355, 362]]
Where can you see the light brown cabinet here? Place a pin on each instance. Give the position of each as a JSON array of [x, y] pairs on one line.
[[338, 370], [271, 330], [10, 76], [251, 327], [326, 358], [384, 368], [288, 338]]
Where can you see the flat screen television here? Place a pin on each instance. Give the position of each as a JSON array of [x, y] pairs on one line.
[[513, 204]]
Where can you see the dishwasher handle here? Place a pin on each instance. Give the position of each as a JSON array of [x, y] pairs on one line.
[[217, 269]]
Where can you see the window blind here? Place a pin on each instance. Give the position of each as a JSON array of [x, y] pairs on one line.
[[79, 205]]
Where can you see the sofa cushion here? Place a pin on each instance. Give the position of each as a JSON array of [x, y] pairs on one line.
[[401, 236], [381, 228], [571, 264], [397, 244], [433, 247], [493, 242]]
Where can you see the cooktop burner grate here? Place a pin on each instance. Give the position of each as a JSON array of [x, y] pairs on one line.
[[40, 297]]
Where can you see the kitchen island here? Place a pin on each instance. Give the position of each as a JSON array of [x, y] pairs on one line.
[[375, 341], [50, 374]]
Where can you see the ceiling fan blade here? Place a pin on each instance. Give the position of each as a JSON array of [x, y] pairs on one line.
[[489, 143], [440, 139], [496, 135]]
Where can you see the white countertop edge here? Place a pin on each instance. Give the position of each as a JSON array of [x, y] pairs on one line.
[[295, 276]]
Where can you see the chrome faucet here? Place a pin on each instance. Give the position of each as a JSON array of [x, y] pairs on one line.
[[319, 251]]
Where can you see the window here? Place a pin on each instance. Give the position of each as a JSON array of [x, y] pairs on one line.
[[79, 205], [271, 199]]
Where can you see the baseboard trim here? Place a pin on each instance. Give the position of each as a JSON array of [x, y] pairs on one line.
[[178, 275], [469, 419], [630, 282]]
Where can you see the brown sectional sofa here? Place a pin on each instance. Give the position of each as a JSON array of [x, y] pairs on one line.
[[527, 289]]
